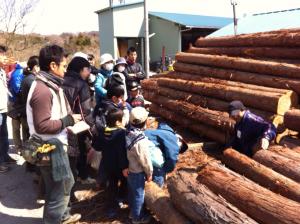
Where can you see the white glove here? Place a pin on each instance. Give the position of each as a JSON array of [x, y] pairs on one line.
[[264, 143]]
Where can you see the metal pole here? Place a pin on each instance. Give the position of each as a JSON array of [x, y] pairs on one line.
[[146, 24], [234, 3]]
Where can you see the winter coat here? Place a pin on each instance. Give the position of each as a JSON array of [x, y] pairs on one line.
[[165, 138], [3, 92], [99, 84], [137, 69], [25, 87], [15, 83]]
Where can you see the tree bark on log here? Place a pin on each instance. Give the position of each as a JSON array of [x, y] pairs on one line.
[[201, 205], [292, 120], [272, 102], [259, 203], [280, 164], [160, 204], [285, 152], [216, 119], [239, 76], [203, 130], [261, 174], [242, 64], [290, 142], [283, 39], [251, 52]]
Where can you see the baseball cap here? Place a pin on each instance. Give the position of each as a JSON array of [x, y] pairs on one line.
[[138, 115], [235, 106]]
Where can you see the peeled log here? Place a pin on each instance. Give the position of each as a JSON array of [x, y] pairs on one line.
[[275, 39], [292, 120], [258, 202], [242, 64], [203, 130], [272, 102], [261, 174], [201, 205], [239, 76], [160, 204], [251, 52], [280, 164], [213, 118], [285, 152]]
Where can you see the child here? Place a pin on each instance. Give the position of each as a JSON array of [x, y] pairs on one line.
[[140, 165], [135, 98], [111, 142]]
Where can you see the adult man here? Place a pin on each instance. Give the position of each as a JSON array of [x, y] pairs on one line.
[[251, 131], [4, 157], [48, 115], [134, 70]]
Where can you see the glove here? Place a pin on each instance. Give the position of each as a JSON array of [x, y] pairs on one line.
[[264, 143], [67, 121]]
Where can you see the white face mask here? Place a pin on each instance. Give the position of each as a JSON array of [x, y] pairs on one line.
[[109, 66], [121, 68]]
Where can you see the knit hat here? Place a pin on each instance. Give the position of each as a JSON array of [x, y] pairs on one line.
[[235, 106], [138, 115], [77, 64]]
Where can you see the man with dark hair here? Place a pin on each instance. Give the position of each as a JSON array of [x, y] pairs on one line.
[[48, 116], [251, 132], [4, 157], [134, 70]]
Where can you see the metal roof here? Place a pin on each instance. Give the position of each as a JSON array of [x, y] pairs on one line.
[[119, 6], [262, 22], [196, 21]]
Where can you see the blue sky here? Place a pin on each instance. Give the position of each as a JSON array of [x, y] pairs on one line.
[[57, 16]]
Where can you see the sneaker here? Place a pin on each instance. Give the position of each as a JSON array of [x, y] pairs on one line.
[[72, 219], [10, 160], [87, 180], [3, 169], [145, 219]]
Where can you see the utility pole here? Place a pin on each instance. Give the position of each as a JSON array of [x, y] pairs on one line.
[[234, 3], [146, 25]]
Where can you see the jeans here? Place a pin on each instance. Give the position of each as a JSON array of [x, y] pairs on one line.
[[136, 191], [57, 197], [4, 144], [158, 176]]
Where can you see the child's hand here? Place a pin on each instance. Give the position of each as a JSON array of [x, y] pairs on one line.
[[149, 179], [125, 172]]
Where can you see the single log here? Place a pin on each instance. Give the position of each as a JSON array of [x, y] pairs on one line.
[[284, 39], [272, 102], [291, 142], [285, 152], [258, 202], [203, 130], [151, 84], [158, 201], [241, 64], [201, 205], [239, 76], [292, 120], [261, 174], [213, 118], [251, 52], [279, 163]]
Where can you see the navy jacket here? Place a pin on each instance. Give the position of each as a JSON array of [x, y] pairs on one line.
[[249, 131], [165, 138]]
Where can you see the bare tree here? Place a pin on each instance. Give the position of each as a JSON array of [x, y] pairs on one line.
[[13, 17]]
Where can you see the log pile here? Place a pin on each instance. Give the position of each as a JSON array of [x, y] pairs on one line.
[[219, 70]]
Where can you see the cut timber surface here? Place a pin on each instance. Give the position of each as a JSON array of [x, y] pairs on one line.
[[159, 202], [272, 102], [201, 129], [240, 76], [292, 120], [259, 203], [275, 39], [201, 205], [250, 52], [261, 174], [242, 64], [279, 163]]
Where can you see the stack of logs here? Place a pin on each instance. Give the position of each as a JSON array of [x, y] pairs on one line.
[[260, 69]]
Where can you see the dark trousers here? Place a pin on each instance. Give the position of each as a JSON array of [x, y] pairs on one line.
[[116, 189], [57, 197], [158, 176], [136, 194], [4, 144], [82, 165]]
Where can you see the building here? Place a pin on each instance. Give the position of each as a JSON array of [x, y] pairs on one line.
[[285, 19], [122, 26]]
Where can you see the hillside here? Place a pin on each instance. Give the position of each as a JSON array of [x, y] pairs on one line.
[[21, 47]]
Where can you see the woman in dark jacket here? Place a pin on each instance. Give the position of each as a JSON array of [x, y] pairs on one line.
[[77, 92]]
